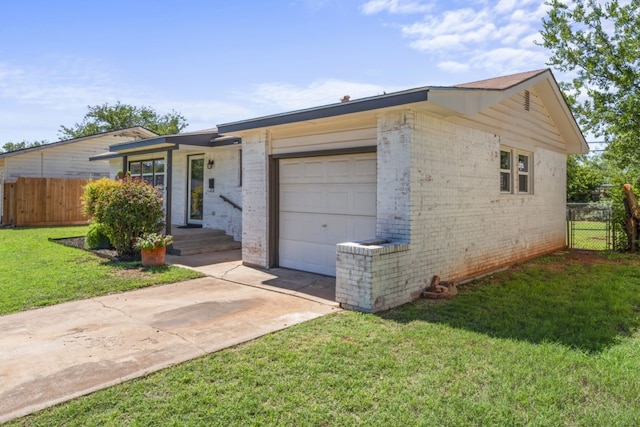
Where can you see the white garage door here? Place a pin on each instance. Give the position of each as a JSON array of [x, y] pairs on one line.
[[324, 201]]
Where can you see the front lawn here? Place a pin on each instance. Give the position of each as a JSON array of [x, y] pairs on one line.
[[35, 272], [553, 342]]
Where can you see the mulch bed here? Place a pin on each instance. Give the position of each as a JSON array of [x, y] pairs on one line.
[[78, 242]]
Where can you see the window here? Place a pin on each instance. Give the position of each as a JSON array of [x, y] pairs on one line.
[[523, 173], [515, 176], [505, 171], [151, 171]]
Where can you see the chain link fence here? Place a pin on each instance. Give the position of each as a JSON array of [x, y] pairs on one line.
[[593, 226]]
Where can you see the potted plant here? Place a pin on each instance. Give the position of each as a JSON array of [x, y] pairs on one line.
[[153, 248]]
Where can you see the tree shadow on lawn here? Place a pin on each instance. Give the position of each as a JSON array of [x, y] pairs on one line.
[[586, 307]]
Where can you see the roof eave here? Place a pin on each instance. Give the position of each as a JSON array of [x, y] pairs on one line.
[[327, 111]]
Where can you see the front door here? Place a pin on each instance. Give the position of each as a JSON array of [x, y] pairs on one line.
[[195, 190]]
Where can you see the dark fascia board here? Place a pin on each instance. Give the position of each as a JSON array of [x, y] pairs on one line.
[[198, 139], [349, 107], [104, 156], [133, 145], [222, 141]]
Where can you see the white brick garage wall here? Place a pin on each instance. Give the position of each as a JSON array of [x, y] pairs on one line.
[[439, 204]]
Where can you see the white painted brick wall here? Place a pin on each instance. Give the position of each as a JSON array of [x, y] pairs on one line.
[[393, 190], [219, 214], [255, 215], [459, 223]]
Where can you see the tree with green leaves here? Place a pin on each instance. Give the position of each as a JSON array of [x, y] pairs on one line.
[[13, 146], [599, 44], [106, 118], [585, 175]]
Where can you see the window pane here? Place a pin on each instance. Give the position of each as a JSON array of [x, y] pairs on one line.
[[159, 180], [159, 166], [148, 179], [147, 167], [505, 181], [523, 163], [505, 160], [134, 168], [523, 183]]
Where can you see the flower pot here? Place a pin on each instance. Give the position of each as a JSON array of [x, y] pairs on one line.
[[152, 257]]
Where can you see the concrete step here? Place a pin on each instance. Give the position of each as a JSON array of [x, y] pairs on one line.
[[180, 235], [202, 241]]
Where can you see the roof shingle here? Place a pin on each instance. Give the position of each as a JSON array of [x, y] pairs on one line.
[[500, 83]]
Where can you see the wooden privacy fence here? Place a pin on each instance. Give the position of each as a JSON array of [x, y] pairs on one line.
[[43, 201]]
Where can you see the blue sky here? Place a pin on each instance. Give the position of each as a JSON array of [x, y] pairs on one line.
[[218, 61]]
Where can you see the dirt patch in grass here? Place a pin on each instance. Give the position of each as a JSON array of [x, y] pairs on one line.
[[589, 258], [560, 261]]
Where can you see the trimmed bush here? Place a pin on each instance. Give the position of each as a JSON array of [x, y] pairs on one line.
[[96, 237], [125, 210], [95, 191]]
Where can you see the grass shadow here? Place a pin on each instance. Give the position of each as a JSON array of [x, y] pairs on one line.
[[583, 306]]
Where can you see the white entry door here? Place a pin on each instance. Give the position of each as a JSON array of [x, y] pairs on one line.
[[195, 190], [324, 201]]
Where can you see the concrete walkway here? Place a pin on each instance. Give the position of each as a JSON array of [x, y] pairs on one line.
[[54, 354]]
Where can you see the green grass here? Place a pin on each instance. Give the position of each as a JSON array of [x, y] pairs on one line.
[[553, 342], [36, 272]]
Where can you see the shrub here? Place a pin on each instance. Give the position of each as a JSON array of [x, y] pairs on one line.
[[96, 237], [93, 192], [126, 210]]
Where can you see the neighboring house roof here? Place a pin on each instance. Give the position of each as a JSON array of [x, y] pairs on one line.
[[463, 99], [137, 131]]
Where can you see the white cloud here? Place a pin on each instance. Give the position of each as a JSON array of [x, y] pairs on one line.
[[506, 60], [491, 35], [395, 7], [453, 67], [58, 84], [284, 96]]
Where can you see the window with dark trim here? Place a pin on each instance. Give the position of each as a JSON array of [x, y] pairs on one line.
[[151, 171]]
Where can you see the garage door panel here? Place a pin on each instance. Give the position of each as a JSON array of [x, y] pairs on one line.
[[325, 229], [342, 228], [357, 168], [298, 200], [302, 227], [324, 201], [308, 257], [349, 199], [364, 199], [337, 170], [365, 169]]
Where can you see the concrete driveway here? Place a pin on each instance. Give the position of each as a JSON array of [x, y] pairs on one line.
[[54, 354]]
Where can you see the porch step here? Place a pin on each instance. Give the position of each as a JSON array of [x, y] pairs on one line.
[[202, 240]]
